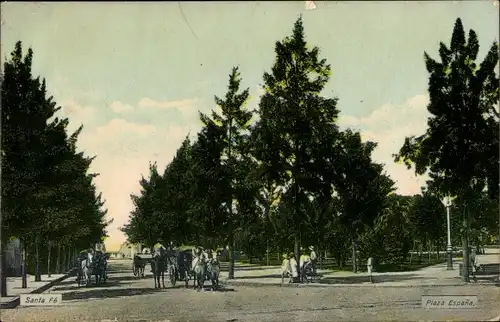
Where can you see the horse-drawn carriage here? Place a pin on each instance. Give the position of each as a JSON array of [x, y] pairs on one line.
[[139, 263], [179, 265], [204, 269], [93, 265]]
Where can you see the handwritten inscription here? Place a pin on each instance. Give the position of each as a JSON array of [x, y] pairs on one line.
[[449, 301], [40, 299]]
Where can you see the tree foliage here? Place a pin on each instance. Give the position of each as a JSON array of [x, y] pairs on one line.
[[460, 146], [293, 177], [48, 196]]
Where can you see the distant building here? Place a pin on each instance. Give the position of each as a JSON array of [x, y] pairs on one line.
[[129, 250]]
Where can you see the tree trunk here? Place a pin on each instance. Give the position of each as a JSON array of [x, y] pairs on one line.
[[429, 250], [3, 273], [49, 245], [297, 248], [320, 259], [465, 244], [62, 268], [412, 251], [437, 249], [38, 275], [70, 259], [58, 259], [420, 246], [230, 274], [24, 271], [354, 255], [267, 252]]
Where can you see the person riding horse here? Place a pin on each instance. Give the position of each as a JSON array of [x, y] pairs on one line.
[[158, 263]]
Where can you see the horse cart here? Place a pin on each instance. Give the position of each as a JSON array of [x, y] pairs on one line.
[[91, 266], [184, 260], [177, 264], [184, 270], [139, 264]]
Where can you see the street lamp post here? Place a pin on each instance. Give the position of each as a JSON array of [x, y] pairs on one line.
[[447, 203]]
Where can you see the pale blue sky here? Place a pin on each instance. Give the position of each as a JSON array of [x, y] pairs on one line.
[[101, 59]]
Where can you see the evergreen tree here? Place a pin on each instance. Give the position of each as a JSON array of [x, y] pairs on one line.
[[460, 146], [226, 135], [39, 203], [361, 185], [144, 224], [291, 114]]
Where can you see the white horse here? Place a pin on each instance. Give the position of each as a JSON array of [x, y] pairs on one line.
[[86, 269], [198, 268]]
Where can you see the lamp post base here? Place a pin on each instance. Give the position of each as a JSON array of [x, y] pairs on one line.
[[449, 261]]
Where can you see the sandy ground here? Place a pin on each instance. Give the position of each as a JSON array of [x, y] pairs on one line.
[[126, 298]]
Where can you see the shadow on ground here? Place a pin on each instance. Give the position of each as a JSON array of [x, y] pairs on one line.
[[250, 268], [258, 277], [107, 293], [73, 285], [376, 279], [206, 288], [131, 278]]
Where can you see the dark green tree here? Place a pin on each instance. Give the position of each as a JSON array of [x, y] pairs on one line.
[[291, 114], [26, 112], [460, 146], [230, 140], [208, 215], [38, 192], [145, 226], [178, 189], [361, 186], [394, 229]]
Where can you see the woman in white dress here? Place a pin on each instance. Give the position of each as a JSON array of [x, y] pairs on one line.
[[285, 268], [293, 267]]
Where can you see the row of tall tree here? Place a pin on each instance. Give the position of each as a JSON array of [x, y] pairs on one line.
[[286, 174], [49, 199]]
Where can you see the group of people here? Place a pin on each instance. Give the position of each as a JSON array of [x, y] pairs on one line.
[[307, 261], [209, 255]]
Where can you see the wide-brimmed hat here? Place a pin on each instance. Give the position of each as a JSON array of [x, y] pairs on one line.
[[311, 247], [284, 255]]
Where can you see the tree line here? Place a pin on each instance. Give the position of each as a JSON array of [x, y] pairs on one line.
[[49, 199], [285, 175]]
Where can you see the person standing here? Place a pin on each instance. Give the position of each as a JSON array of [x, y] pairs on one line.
[[293, 267], [285, 269], [314, 258], [473, 262]]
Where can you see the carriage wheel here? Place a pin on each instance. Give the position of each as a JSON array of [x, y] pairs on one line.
[[172, 272]]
